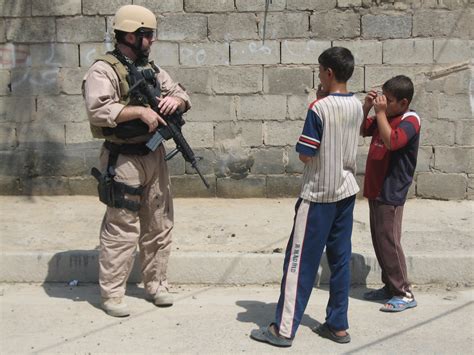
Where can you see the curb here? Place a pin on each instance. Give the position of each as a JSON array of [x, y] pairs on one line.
[[225, 268]]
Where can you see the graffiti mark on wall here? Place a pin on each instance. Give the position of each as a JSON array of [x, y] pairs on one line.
[[256, 48]]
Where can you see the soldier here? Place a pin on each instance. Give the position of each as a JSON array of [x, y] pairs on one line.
[[134, 181]]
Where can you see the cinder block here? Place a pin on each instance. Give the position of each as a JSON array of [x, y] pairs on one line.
[[208, 5], [470, 187], [15, 8], [298, 106], [441, 186], [158, 7], [268, 161], [78, 132], [302, 51], [8, 138], [335, 25], [454, 106], [84, 185], [453, 50], [319, 5], [437, 132], [454, 159], [425, 161], [254, 52], [31, 30], [261, 107], [356, 82], [412, 190], [237, 80], [58, 162], [276, 133], [70, 80], [284, 25], [198, 54], [349, 3], [284, 185], [250, 187], [12, 162], [176, 166], [192, 186], [35, 133], [206, 162], [424, 103], [55, 7], [63, 108], [94, 7], [17, 109], [3, 37], [386, 26], [439, 23], [14, 56], [182, 28], [195, 80], [54, 55], [93, 29], [45, 186], [9, 185], [233, 160], [199, 134], [249, 134], [89, 52], [288, 80], [376, 75], [364, 51], [165, 53], [35, 81], [4, 82], [408, 51], [294, 164], [465, 132], [257, 5], [231, 27], [211, 109]]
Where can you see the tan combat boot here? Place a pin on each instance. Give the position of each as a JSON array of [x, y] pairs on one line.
[[115, 307], [162, 297]]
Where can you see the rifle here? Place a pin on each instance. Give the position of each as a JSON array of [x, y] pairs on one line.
[[174, 122]]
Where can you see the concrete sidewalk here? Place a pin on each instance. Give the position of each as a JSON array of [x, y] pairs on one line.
[[225, 241], [53, 318]]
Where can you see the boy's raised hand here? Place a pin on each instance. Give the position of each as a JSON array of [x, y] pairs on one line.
[[380, 104], [321, 92], [369, 99]]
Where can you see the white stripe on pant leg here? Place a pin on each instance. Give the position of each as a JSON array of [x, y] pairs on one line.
[[291, 283]]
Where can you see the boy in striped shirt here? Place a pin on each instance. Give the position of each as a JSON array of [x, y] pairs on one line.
[[390, 167], [324, 210]]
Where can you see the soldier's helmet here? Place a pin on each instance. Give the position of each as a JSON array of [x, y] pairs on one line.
[[130, 18]]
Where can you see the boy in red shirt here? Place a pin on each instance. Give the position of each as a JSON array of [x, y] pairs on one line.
[[391, 163]]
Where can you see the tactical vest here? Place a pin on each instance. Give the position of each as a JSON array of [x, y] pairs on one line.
[[124, 87]]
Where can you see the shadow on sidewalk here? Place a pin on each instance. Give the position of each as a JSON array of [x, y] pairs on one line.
[[81, 267], [262, 314]]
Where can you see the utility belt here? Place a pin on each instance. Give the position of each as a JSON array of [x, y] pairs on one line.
[[111, 192]]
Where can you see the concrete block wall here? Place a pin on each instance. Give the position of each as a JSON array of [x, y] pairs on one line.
[[249, 98]]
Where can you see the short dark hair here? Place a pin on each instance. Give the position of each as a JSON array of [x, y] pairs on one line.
[[340, 60], [400, 86]]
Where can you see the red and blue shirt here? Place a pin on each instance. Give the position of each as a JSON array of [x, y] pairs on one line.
[[389, 173]]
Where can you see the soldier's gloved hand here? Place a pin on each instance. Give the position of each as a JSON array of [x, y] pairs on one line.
[[169, 104], [152, 119]]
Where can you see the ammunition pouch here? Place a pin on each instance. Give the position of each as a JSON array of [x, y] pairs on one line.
[[111, 192]]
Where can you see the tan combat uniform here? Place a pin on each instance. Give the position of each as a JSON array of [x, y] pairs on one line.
[[121, 228]]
